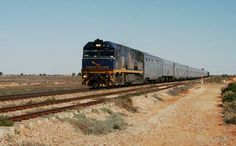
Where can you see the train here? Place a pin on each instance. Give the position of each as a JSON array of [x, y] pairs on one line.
[[106, 64]]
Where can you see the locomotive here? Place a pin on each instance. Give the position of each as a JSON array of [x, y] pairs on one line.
[[106, 64]]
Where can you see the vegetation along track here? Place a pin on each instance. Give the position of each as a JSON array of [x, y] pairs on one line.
[[99, 98]]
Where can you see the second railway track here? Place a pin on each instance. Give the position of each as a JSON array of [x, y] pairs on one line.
[[40, 94], [77, 98], [24, 96], [97, 99]]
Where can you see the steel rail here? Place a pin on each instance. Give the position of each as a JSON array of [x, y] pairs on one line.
[[46, 103], [81, 105]]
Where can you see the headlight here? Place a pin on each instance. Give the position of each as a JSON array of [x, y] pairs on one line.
[[84, 76], [98, 45]]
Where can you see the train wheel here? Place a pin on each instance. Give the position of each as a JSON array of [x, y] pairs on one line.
[[95, 85], [146, 81]]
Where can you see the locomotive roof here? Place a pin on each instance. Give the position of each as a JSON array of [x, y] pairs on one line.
[[106, 43]]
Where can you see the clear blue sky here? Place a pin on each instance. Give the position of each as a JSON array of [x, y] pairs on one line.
[[47, 36]]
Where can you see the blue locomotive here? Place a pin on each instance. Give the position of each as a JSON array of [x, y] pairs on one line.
[[109, 64]]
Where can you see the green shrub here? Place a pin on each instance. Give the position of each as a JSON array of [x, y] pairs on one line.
[[116, 121], [229, 107], [230, 112], [229, 97], [95, 110], [229, 103], [5, 122], [106, 110], [231, 87]]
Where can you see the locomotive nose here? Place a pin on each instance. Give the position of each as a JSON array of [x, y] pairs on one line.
[[96, 64]]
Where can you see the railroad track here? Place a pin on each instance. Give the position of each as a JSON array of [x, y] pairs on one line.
[[46, 103], [51, 93], [40, 94], [97, 99]]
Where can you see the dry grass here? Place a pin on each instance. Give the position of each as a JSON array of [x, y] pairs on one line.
[[106, 110], [156, 96], [126, 103], [217, 79], [50, 99], [31, 84], [177, 90], [32, 144], [96, 127]]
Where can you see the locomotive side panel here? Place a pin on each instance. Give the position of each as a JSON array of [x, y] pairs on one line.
[[129, 66]]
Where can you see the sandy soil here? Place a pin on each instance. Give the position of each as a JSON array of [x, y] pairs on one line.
[[234, 79], [14, 84], [193, 118]]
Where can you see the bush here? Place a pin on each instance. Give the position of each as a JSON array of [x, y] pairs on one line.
[[231, 87], [229, 103], [230, 112], [126, 103], [73, 74], [229, 97], [107, 110], [5, 122], [156, 96], [177, 90], [93, 126], [79, 74]]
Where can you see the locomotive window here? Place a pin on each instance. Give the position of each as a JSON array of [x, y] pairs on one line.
[[99, 52], [106, 53], [90, 54]]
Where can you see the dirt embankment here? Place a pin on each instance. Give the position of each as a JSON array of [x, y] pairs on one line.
[[191, 119]]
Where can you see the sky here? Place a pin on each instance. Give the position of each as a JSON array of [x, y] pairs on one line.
[[47, 36]]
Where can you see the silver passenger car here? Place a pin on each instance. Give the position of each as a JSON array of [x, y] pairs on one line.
[[181, 71], [158, 69], [153, 67]]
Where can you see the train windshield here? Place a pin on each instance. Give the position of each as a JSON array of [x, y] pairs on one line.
[[95, 53]]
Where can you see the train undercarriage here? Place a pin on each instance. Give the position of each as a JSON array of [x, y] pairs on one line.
[[107, 79]]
